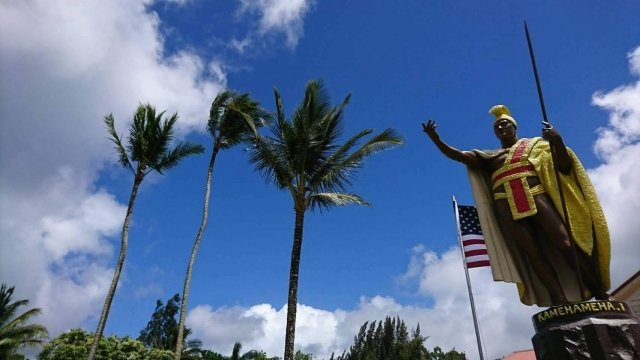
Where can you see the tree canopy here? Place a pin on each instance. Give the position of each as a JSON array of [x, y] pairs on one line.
[[162, 330], [75, 344], [390, 340]]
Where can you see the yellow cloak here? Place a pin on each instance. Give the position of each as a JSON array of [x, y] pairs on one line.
[[586, 218]]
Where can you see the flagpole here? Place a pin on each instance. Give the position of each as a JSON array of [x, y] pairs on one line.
[[466, 272]]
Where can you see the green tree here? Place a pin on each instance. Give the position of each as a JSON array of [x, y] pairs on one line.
[[415, 347], [228, 127], [257, 355], [161, 331], [437, 354], [299, 355], [148, 148], [75, 344], [235, 354], [14, 333], [303, 157], [212, 355], [390, 340]]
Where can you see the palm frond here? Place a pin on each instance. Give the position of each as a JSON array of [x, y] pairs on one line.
[[386, 140], [303, 153], [226, 119], [338, 175], [160, 137], [280, 116], [269, 159], [26, 332], [20, 319], [173, 157], [335, 124], [282, 130], [234, 128], [315, 105], [218, 107], [332, 176], [8, 311], [268, 156], [325, 201], [13, 333], [8, 308], [123, 158], [150, 135]]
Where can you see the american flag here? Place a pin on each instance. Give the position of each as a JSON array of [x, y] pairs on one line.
[[475, 250]]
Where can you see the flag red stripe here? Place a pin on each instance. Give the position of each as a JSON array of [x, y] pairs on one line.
[[472, 242], [476, 264], [475, 252]]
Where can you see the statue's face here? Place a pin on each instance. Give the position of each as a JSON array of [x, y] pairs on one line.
[[504, 129]]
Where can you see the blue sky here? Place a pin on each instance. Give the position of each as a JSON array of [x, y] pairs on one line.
[[404, 63]]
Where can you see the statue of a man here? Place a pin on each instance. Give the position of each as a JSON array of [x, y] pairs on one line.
[[521, 214]]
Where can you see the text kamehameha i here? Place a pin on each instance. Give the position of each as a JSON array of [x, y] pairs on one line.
[[581, 308]]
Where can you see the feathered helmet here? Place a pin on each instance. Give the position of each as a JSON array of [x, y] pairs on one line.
[[501, 112]]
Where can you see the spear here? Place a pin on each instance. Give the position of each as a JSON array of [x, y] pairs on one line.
[[567, 225]]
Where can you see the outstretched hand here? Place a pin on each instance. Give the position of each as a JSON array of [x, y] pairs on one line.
[[430, 129], [550, 133]]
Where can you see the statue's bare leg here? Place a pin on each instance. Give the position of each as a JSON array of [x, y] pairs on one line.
[[550, 221], [522, 232]]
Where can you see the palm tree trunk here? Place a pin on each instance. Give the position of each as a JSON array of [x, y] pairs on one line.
[[114, 283], [187, 280], [292, 302]]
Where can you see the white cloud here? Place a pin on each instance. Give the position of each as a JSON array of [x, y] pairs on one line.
[[506, 323], [240, 45], [63, 66], [52, 250], [634, 61], [279, 16], [616, 180], [179, 2]]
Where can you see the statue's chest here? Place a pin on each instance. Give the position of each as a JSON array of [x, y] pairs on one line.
[[497, 162]]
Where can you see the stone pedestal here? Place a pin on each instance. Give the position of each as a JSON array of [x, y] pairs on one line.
[[598, 330]]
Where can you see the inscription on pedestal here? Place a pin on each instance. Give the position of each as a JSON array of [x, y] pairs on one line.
[[567, 313], [598, 330]]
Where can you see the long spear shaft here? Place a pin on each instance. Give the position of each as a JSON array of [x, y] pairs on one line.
[[555, 168]]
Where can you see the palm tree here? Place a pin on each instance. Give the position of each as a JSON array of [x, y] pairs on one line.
[[303, 157], [14, 334], [228, 128], [148, 149]]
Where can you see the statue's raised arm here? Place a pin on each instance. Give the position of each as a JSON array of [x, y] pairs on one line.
[[468, 158]]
